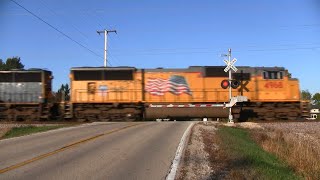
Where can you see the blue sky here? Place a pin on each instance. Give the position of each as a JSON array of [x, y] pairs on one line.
[[164, 33]]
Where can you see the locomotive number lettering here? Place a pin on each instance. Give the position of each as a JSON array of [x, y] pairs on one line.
[[273, 85]]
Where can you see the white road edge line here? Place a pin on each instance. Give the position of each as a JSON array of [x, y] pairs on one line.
[[176, 160]]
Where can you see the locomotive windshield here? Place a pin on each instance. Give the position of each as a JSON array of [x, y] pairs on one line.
[[272, 75]]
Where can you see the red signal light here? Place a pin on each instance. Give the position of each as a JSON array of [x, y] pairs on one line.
[[234, 84], [225, 84]]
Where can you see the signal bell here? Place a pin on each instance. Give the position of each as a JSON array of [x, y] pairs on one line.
[[234, 84]]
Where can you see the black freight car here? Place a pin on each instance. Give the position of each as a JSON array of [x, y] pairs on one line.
[[24, 94]]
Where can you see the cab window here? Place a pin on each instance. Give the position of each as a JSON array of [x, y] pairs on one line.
[[272, 75]]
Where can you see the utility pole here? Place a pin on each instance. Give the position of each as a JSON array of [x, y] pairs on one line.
[[106, 32]]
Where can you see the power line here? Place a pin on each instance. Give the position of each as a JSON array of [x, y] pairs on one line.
[[56, 29], [208, 51], [114, 58], [63, 19], [284, 49]]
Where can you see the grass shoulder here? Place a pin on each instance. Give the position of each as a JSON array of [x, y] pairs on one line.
[[22, 131], [248, 158]]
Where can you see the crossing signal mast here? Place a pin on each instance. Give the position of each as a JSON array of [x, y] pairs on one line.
[[230, 82]]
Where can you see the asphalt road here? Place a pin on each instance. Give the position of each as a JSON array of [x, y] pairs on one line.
[[139, 150]]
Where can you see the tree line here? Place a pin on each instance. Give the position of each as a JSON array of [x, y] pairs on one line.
[[10, 64], [313, 98]]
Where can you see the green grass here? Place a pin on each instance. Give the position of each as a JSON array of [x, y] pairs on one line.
[[249, 155], [22, 131]]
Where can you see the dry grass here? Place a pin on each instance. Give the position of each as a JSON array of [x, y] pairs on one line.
[[3, 131], [300, 151], [234, 155], [218, 152]]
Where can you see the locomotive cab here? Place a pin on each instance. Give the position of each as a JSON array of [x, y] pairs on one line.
[[275, 85], [101, 84], [104, 93]]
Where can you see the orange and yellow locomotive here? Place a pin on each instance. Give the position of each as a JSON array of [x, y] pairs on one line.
[[128, 93]]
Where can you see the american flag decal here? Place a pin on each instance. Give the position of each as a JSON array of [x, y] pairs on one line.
[[175, 84]]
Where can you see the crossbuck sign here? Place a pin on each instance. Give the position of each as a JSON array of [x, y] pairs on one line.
[[230, 65]]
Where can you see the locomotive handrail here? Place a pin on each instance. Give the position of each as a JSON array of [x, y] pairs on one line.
[[134, 95]]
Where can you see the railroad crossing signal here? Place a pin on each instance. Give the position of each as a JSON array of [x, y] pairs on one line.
[[226, 83], [230, 65]]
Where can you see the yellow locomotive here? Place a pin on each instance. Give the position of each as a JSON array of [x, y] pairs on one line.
[[128, 93]]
